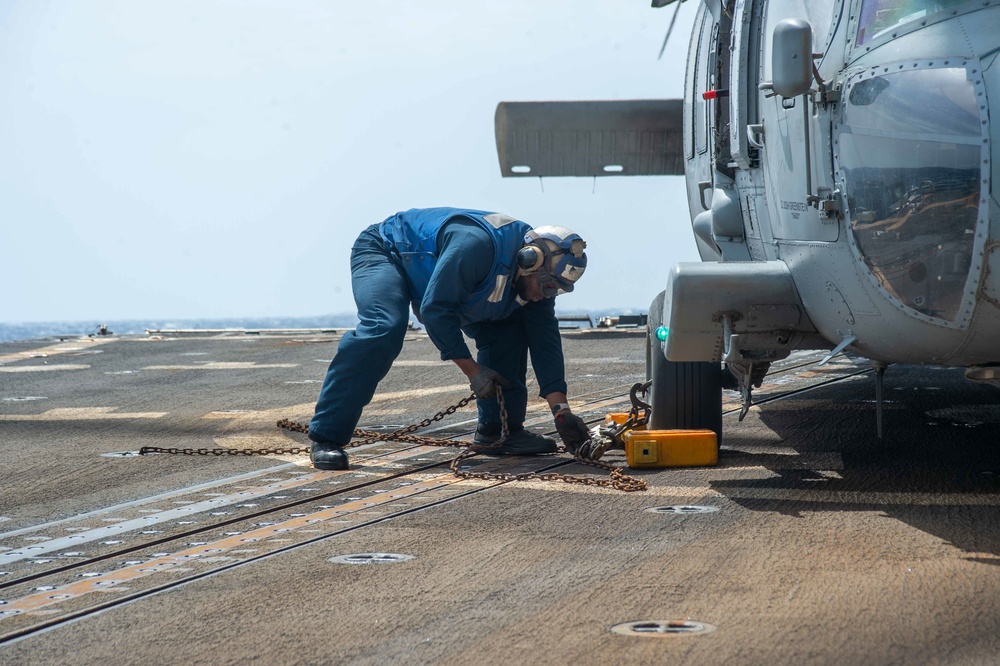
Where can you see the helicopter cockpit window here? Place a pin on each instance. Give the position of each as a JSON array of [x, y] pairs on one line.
[[878, 16], [910, 150]]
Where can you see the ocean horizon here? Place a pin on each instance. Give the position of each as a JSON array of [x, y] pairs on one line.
[[33, 330], [15, 331]]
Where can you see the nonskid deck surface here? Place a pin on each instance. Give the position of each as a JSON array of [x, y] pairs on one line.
[[807, 523]]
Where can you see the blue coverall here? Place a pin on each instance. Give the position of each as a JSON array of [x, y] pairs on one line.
[[382, 292]]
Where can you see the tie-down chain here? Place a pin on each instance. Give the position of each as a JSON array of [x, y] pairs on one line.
[[588, 453]]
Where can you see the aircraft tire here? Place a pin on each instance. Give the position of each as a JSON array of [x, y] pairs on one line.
[[684, 394]]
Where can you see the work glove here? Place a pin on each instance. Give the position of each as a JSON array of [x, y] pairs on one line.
[[485, 382], [572, 430]]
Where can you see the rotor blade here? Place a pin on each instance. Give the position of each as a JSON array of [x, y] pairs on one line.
[[670, 29]]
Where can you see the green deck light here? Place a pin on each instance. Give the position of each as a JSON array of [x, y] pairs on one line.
[[662, 333]]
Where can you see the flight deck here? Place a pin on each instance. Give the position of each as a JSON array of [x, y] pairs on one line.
[[810, 542]]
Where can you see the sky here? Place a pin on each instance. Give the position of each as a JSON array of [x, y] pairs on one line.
[[217, 158]]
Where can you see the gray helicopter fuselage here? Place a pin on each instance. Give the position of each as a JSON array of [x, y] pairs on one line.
[[868, 197]]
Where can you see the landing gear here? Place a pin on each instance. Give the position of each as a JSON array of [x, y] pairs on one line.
[[684, 395], [879, 367]]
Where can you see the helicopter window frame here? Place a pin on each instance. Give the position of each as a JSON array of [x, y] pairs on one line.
[[957, 136], [862, 17]]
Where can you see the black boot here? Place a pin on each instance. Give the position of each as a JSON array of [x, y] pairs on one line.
[[327, 455], [520, 442]]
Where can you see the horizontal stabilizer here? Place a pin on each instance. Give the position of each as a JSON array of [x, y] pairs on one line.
[[616, 138]]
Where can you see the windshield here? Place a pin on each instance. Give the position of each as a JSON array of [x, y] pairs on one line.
[[878, 16], [910, 154]]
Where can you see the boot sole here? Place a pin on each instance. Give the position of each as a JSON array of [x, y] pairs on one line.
[[339, 462], [330, 466]]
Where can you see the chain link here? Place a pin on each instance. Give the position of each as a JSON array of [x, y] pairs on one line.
[[617, 477], [610, 437]]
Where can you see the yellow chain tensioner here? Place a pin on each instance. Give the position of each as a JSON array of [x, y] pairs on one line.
[[657, 448]]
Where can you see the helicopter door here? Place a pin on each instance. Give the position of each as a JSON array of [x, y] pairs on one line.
[[698, 159], [789, 179], [744, 106], [745, 129]]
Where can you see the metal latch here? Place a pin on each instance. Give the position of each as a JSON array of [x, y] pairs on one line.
[[828, 206], [604, 438]]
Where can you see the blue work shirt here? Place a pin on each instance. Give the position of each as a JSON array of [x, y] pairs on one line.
[[465, 256]]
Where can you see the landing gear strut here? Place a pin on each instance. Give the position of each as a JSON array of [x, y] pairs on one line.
[[879, 367], [745, 376]]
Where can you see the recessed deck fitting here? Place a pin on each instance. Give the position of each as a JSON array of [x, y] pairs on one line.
[[683, 510], [370, 558], [662, 628], [121, 454]]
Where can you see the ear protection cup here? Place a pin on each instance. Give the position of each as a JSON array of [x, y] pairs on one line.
[[530, 258]]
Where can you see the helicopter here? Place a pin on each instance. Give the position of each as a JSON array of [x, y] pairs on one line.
[[838, 159]]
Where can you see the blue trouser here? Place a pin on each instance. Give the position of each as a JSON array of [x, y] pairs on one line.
[[365, 355], [503, 346]]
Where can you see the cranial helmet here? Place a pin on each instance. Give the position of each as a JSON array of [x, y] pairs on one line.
[[556, 253]]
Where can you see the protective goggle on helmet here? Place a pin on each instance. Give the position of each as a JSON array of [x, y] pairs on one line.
[[556, 254]]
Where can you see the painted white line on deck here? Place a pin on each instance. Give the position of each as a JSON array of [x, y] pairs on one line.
[[254, 419], [52, 350], [42, 368], [250, 475], [371, 413], [416, 393], [177, 561], [117, 530], [608, 360], [82, 414], [223, 365], [148, 500], [857, 500], [208, 485]]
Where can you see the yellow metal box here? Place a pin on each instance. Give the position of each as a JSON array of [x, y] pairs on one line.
[[671, 448], [617, 418]]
